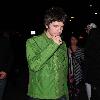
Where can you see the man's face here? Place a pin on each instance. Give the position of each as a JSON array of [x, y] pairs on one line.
[[55, 28]]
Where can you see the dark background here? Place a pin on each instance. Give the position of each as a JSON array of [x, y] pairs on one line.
[[19, 15], [18, 19]]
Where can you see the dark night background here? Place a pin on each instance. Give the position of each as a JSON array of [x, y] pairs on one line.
[[17, 15], [18, 19]]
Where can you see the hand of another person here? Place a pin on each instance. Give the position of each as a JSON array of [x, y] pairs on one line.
[[57, 39], [3, 75]]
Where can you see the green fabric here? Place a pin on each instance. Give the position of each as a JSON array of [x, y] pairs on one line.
[[48, 68]]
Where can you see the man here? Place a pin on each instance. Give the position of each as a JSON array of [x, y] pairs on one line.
[[47, 59], [92, 54], [6, 59]]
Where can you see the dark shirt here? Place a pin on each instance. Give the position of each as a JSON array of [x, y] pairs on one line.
[[92, 54], [6, 56]]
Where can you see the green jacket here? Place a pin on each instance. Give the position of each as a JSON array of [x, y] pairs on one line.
[[48, 68]]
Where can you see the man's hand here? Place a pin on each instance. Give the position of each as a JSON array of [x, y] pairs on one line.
[[57, 39], [3, 75]]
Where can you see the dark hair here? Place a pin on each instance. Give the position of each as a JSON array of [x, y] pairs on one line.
[[75, 36], [54, 14]]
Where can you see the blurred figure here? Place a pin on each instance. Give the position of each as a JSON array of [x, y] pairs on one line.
[[48, 60], [92, 54], [6, 59], [76, 70]]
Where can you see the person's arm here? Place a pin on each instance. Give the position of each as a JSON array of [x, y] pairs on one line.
[[6, 60], [35, 57], [66, 58], [66, 63]]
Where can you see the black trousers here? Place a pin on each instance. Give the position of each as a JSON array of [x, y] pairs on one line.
[[95, 95], [82, 95]]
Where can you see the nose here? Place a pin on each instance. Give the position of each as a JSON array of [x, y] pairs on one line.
[[60, 29]]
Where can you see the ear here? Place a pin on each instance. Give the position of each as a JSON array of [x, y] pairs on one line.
[[46, 26]]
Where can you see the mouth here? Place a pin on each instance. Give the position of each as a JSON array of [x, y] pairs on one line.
[[59, 34]]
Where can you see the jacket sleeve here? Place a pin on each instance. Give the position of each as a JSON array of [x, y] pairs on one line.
[[35, 57], [66, 58], [6, 55], [10, 61], [66, 63]]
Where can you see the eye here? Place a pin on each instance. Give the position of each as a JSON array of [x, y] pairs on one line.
[[61, 27], [55, 26]]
